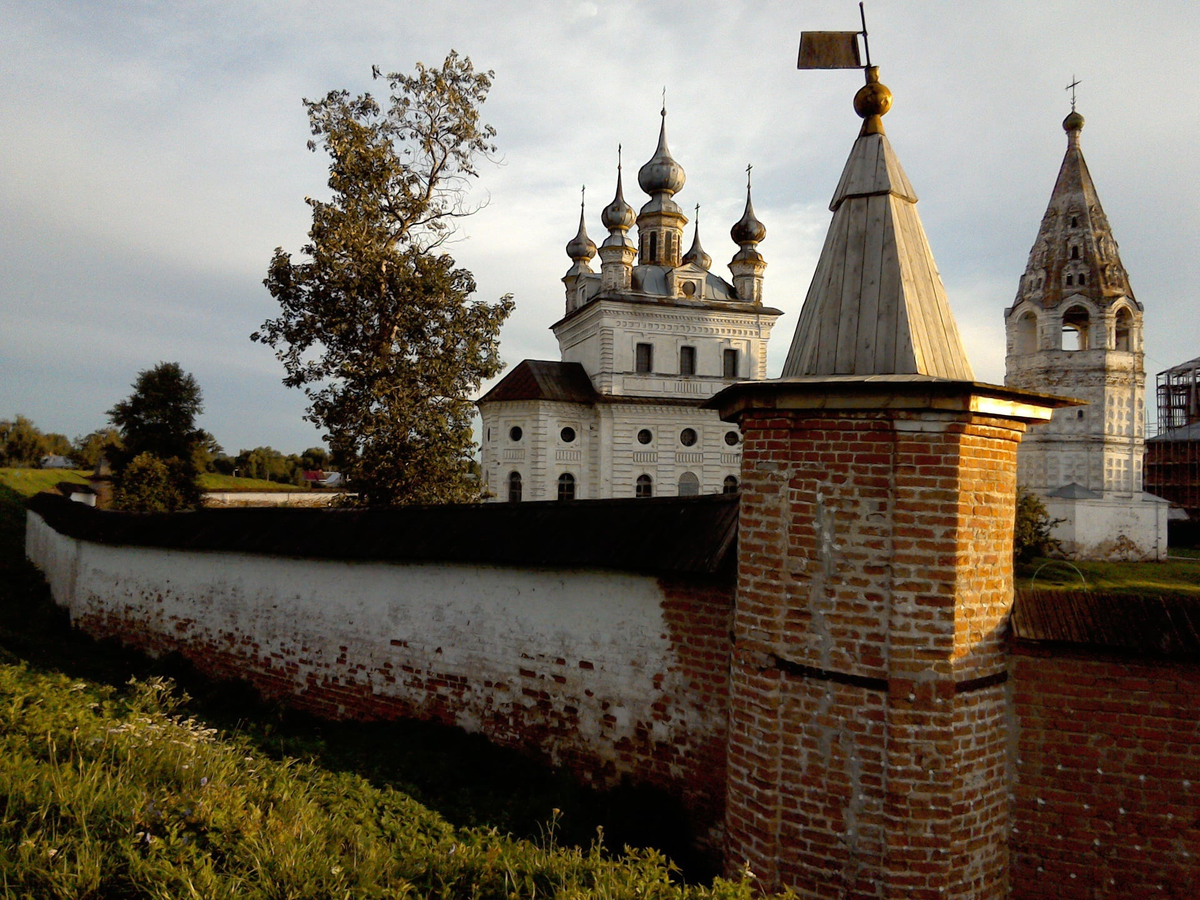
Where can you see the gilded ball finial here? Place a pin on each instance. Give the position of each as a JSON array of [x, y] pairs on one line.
[[872, 101]]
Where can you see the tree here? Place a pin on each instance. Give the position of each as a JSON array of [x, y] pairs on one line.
[[159, 420], [150, 485], [21, 442], [377, 325], [87, 450], [1032, 530]]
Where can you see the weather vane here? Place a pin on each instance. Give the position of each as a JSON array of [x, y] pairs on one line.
[[1075, 82], [839, 50], [834, 49]]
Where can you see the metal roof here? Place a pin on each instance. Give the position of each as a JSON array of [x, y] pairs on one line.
[[1144, 625], [665, 535], [543, 379]]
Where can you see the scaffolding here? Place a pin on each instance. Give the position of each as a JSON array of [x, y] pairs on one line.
[[1173, 454]]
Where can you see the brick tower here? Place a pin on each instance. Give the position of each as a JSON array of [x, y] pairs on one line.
[[868, 737]]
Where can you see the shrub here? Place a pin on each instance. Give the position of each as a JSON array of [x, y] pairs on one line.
[[150, 484], [1032, 532]]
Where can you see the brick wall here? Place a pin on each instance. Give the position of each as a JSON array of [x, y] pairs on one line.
[[1107, 796], [614, 675], [868, 737]]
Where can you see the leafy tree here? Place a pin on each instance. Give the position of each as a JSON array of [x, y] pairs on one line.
[[1032, 532], [314, 458], [377, 324], [87, 450], [159, 420], [149, 484], [21, 442]]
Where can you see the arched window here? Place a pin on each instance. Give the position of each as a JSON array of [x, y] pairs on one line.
[[731, 484], [1026, 334], [1070, 280], [1074, 253], [1075, 329], [514, 487], [1124, 331], [653, 247], [644, 487], [689, 484], [566, 486]]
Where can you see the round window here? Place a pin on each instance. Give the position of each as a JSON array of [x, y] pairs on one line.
[[567, 435], [731, 438], [644, 436], [689, 288], [515, 433], [687, 437]]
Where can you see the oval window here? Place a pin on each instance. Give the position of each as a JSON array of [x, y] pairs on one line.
[[515, 433], [644, 436], [732, 438], [687, 437], [567, 435]]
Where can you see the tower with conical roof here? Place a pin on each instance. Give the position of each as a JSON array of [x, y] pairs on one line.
[[644, 343], [1075, 328], [867, 698]]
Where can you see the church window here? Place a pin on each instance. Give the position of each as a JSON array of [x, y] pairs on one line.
[[729, 363], [1074, 253], [689, 485], [515, 433], [644, 486], [489, 434], [687, 360], [687, 437], [1070, 280], [731, 485], [653, 247], [1075, 329], [689, 289], [1082, 278], [567, 435], [566, 486], [1124, 330], [1074, 221], [643, 358], [514, 487], [645, 436], [732, 438], [1026, 336]]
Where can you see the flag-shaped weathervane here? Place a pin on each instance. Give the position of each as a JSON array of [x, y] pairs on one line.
[[833, 49]]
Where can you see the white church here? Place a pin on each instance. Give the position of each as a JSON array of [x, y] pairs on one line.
[[644, 343]]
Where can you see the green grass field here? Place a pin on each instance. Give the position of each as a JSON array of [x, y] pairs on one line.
[[28, 482]]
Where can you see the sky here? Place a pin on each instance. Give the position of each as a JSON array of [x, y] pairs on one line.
[[152, 157]]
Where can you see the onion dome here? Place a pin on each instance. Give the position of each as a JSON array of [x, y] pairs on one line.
[[1073, 122], [662, 173], [696, 254], [748, 230], [618, 215], [580, 248]]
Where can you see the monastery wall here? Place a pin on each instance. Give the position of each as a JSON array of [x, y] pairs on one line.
[[612, 674], [1107, 788]]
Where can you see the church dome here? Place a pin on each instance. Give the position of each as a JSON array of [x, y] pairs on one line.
[[618, 214], [1073, 122], [747, 229], [662, 173], [581, 247], [696, 254]]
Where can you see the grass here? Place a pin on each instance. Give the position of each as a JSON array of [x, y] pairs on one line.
[[211, 481], [1173, 577], [28, 482], [469, 792]]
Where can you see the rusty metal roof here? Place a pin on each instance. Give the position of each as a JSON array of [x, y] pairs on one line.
[[543, 379], [665, 535], [1145, 625]]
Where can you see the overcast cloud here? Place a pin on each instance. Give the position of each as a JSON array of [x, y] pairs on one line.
[[153, 155]]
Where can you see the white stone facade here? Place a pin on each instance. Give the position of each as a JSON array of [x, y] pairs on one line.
[[643, 344]]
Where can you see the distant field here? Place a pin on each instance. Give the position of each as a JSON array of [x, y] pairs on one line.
[[28, 482], [211, 481]]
